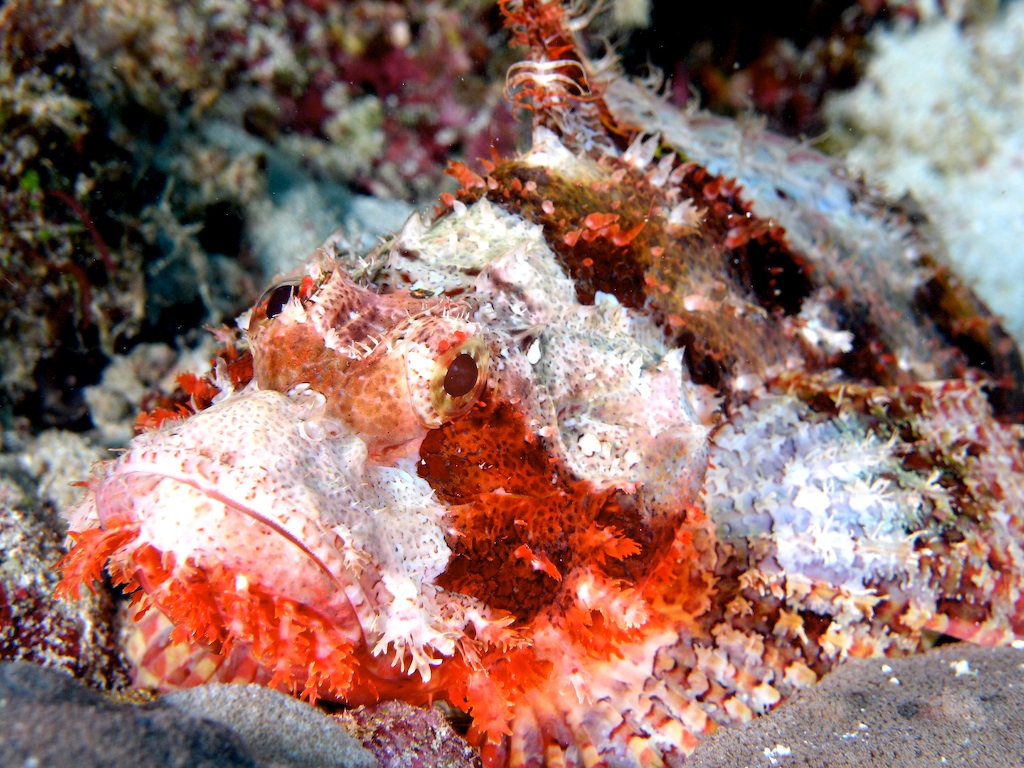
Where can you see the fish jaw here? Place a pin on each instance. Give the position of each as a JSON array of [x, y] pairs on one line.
[[219, 523]]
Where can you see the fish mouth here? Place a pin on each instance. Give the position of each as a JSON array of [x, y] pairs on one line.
[[288, 584], [276, 613], [210, 528]]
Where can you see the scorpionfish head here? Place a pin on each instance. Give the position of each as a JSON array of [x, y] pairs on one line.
[[391, 367], [414, 497]]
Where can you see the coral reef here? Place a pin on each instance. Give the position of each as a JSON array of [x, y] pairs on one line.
[[72, 286], [939, 116], [777, 62], [399, 734], [77, 638]]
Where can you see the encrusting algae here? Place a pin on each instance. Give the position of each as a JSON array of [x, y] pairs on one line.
[[646, 429]]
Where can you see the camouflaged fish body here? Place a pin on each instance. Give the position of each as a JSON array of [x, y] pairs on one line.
[[652, 425]]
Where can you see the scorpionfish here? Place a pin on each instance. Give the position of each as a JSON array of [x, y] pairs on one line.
[[645, 429]]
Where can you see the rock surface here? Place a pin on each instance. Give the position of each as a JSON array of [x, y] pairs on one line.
[[76, 637], [283, 731], [49, 719], [955, 705]]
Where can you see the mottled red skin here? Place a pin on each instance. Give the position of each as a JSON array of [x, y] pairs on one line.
[[369, 389]]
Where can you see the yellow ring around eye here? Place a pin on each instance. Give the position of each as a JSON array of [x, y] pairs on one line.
[[460, 374]]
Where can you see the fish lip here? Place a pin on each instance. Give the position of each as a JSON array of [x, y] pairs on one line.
[[129, 467]]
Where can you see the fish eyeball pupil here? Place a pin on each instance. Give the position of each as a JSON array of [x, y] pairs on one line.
[[278, 297], [461, 376]]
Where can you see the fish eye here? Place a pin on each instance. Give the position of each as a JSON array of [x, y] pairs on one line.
[[457, 376], [278, 296], [461, 377]]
